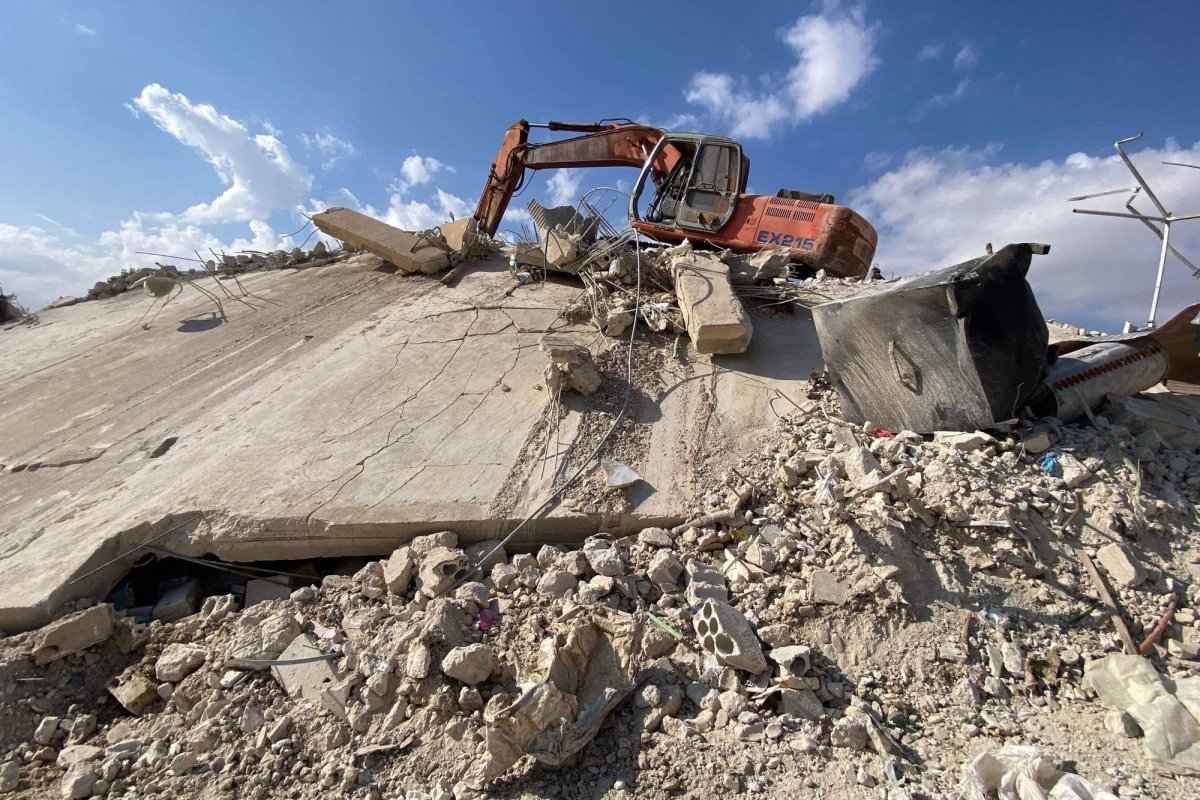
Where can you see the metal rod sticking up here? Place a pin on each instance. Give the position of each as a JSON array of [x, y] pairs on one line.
[[1164, 219]]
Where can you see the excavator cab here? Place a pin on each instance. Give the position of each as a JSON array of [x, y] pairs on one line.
[[700, 192]]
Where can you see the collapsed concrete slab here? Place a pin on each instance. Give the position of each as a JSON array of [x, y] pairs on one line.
[[347, 412], [716, 321], [409, 251]]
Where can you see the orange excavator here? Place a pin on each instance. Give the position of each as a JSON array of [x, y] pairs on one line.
[[700, 193]]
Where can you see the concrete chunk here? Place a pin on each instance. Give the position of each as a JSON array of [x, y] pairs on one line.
[[72, 634], [726, 633], [705, 582], [715, 319], [134, 691], [406, 250], [441, 568], [398, 570], [470, 664], [827, 589], [1121, 565], [304, 681], [178, 661], [461, 234], [1177, 428], [259, 590], [179, 602]]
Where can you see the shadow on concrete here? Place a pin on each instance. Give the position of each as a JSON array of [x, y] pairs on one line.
[[784, 347], [198, 325]]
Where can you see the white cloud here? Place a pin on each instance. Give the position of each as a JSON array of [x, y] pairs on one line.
[[834, 50], [966, 57], [942, 207], [258, 170], [676, 122], [929, 52], [414, 215], [943, 100], [323, 142], [418, 170], [878, 161], [39, 265], [564, 187], [85, 30]]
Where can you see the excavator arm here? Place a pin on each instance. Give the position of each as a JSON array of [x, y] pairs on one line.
[[604, 144]]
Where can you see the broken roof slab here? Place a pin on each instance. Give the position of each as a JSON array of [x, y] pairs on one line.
[[339, 410]]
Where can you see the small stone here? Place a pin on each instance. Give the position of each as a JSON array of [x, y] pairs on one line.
[[1074, 473], [470, 664], [995, 687], [46, 729], [964, 442], [665, 571], [74, 753], [655, 537], [79, 781], [183, 763], [1121, 564], [1122, 724], [606, 561], [83, 727], [825, 588], [556, 583], [178, 661], [850, 732], [10, 776]]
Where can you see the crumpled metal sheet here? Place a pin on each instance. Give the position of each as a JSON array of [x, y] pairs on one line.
[[589, 665], [961, 348]]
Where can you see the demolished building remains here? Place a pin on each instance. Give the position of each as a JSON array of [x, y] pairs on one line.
[[435, 514]]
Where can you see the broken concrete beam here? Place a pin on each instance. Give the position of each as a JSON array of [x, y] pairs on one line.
[[72, 634], [715, 319], [461, 234], [407, 250]]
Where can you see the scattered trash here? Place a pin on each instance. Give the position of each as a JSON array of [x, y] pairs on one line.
[[1163, 709], [618, 475], [1024, 772]]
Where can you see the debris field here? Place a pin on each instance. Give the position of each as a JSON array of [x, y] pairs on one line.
[[698, 564]]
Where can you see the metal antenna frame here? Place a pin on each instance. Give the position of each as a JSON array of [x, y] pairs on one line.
[[1165, 219]]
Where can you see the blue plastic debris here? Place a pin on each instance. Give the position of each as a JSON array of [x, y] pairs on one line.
[[1051, 465]]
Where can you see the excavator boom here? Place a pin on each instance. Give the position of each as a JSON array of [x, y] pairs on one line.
[[617, 144]]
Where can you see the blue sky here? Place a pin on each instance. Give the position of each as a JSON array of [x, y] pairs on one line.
[[159, 126]]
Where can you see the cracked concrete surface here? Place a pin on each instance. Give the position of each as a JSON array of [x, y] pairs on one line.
[[347, 411]]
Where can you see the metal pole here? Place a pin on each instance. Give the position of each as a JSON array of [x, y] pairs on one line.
[[1137, 175], [1162, 263]]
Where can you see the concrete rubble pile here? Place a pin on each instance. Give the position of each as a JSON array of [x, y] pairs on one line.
[[850, 607], [222, 267]]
